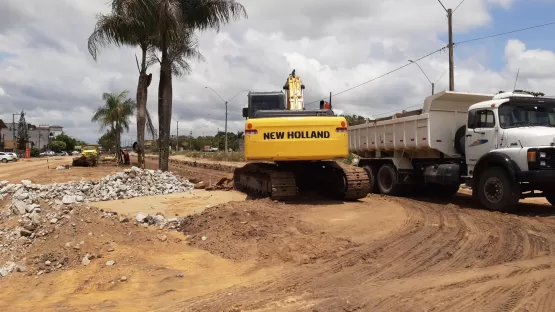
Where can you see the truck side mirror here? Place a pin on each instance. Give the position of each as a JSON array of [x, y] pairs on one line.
[[245, 112]]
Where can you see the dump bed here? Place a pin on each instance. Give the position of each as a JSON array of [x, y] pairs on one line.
[[432, 127]]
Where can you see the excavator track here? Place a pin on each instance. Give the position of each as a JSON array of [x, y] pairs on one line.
[[265, 180], [287, 180]]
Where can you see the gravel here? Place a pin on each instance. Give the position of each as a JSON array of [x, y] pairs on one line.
[[60, 199]]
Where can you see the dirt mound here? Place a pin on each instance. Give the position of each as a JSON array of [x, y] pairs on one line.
[[260, 230], [63, 236]]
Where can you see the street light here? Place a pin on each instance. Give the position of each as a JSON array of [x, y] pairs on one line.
[[177, 133], [225, 102], [432, 83]]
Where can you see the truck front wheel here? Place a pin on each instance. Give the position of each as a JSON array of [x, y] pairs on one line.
[[387, 180], [496, 191]]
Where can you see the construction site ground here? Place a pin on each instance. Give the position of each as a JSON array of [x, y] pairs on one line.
[[232, 254]]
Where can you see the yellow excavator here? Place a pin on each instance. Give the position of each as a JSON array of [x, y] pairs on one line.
[[291, 150]]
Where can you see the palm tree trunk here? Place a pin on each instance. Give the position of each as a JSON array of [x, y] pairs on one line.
[[164, 106], [118, 144], [142, 94]]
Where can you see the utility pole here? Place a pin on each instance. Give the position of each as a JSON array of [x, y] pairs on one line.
[[225, 127], [451, 61], [450, 31], [225, 103], [177, 134], [330, 101]]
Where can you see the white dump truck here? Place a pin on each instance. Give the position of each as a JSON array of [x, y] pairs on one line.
[[502, 146]]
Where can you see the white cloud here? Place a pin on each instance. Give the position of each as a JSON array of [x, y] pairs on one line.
[[333, 46]]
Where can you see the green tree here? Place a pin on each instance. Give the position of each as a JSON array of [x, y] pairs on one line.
[[353, 120], [108, 141], [69, 141], [58, 146], [22, 134], [171, 19], [115, 115], [122, 28]]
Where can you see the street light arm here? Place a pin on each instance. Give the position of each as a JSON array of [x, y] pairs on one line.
[[237, 94], [443, 5], [215, 93], [421, 71]]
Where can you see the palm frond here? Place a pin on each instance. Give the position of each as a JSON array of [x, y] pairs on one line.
[[203, 14]]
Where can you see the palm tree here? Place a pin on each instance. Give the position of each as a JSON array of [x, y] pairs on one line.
[[115, 115], [119, 29], [170, 18], [180, 51]]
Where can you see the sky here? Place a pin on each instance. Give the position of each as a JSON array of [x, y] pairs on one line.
[[47, 71]]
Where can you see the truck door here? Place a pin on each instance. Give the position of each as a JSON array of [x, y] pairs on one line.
[[480, 136]]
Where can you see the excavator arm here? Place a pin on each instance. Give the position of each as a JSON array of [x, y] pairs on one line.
[[294, 92]]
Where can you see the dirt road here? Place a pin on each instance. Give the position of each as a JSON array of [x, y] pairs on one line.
[[378, 254], [43, 170], [386, 255]]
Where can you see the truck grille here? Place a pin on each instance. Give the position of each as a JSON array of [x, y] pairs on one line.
[[549, 158]]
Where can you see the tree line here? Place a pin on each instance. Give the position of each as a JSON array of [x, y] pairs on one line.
[[163, 30]]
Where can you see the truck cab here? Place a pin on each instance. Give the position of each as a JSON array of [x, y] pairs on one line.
[[514, 133]]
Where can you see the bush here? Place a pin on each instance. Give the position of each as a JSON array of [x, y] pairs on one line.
[[35, 152]]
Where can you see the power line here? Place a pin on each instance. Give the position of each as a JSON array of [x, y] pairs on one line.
[[431, 53], [383, 75], [506, 33]]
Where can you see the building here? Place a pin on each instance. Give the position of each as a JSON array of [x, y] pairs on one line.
[[38, 135]]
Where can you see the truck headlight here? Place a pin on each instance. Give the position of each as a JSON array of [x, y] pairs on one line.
[[543, 155], [542, 163]]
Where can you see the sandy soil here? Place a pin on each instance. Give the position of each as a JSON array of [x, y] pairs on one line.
[[43, 170], [378, 254]]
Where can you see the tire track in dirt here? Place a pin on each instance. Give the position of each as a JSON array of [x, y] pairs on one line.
[[444, 256]]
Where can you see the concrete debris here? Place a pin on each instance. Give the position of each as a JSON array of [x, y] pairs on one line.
[[38, 212], [133, 182]]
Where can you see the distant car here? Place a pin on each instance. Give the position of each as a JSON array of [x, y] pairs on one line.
[[13, 154], [5, 157], [75, 153], [61, 154], [47, 153]]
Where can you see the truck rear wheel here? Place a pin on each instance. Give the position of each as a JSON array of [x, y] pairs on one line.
[[387, 180], [372, 173], [496, 191]]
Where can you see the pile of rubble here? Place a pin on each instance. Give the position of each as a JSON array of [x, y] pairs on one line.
[[130, 183], [38, 211]]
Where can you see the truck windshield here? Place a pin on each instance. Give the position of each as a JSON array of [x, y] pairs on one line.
[[514, 114]]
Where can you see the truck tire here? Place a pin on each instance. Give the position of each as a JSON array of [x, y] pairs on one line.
[[387, 180], [496, 191], [372, 173], [459, 140]]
